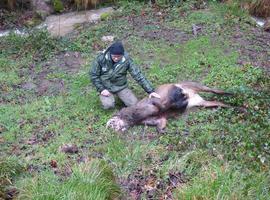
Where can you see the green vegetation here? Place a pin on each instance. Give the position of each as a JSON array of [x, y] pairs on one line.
[[46, 102], [58, 5], [93, 180], [10, 168], [219, 181]]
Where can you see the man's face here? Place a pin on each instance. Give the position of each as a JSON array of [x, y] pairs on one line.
[[116, 58]]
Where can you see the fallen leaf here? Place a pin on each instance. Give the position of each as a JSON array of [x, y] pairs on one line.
[[90, 129], [53, 164]]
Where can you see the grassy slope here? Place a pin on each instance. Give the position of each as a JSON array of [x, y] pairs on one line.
[[223, 152]]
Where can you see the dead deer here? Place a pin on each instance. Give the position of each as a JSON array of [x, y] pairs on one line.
[[175, 98]]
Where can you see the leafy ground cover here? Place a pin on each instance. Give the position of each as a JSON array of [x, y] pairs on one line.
[[47, 104]]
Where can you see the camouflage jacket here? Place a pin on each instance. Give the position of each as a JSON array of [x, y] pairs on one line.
[[105, 74]]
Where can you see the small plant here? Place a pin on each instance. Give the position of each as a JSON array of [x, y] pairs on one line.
[[105, 16], [58, 5]]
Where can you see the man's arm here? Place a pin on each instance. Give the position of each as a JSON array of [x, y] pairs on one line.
[[139, 77], [95, 76]]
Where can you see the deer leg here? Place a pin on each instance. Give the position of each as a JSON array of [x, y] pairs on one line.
[[159, 122], [209, 104], [197, 100]]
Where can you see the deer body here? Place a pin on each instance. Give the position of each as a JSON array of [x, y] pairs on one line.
[[175, 98]]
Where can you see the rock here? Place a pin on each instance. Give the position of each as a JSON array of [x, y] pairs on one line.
[[60, 25], [69, 148], [159, 13], [41, 8], [108, 38]]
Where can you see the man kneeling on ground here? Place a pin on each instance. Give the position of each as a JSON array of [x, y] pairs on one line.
[[108, 74]]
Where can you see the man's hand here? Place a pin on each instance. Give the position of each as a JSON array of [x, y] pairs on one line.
[[105, 93], [153, 94]]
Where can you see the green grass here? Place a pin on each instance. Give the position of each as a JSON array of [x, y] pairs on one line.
[[224, 153], [92, 180], [222, 181], [10, 168]]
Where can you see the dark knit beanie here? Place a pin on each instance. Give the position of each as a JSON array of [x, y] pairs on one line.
[[117, 48]]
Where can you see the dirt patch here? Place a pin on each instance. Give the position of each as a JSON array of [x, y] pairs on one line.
[[147, 184], [35, 168], [152, 29], [40, 138], [251, 42], [49, 78], [253, 46], [18, 19], [172, 36], [68, 63]]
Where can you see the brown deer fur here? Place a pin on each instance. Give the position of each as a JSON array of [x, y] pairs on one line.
[[175, 98]]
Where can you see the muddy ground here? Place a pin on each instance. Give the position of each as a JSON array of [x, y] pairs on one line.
[[252, 44]]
